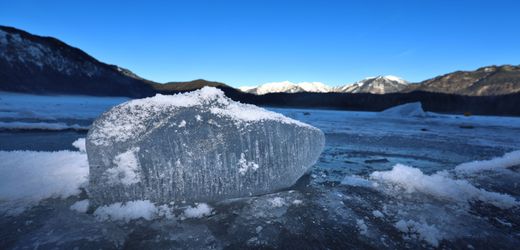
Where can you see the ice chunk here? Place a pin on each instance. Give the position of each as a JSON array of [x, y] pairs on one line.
[[198, 146], [413, 109]]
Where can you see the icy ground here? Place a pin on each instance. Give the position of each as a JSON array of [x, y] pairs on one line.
[[382, 182]]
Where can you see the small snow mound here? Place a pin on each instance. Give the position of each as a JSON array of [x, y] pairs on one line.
[[128, 211], [80, 145], [413, 109], [297, 202], [199, 211], [80, 206]]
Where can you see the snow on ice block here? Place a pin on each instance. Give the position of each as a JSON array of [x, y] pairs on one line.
[[413, 109], [197, 146]]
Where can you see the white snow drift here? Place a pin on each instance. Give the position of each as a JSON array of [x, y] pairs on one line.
[[507, 160], [27, 177], [441, 186]]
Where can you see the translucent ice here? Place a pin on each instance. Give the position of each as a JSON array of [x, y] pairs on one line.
[[197, 146], [413, 109]]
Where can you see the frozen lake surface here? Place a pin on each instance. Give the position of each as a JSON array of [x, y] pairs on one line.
[[381, 182]]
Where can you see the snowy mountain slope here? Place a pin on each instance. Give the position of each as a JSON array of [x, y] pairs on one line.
[[490, 80], [36, 64], [287, 87], [374, 85]]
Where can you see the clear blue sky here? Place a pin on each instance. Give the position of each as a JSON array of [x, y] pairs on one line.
[[251, 42]]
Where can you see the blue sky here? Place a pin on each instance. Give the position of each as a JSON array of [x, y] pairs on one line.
[[253, 42]]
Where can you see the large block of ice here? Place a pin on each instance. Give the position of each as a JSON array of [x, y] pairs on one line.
[[197, 146]]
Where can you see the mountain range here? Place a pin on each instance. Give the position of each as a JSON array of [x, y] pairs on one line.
[[485, 81], [373, 85], [46, 65]]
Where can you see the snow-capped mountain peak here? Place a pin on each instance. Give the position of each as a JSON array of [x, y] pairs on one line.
[[395, 79], [374, 85]]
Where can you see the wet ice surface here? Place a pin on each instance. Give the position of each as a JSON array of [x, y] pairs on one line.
[[352, 198]]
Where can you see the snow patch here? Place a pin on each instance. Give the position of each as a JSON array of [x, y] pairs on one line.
[[507, 160], [277, 202], [27, 177], [287, 87], [80, 206], [297, 202], [244, 165], [127, 211], [440, 186], [80, 145], [395, 79], [126, 171], [199, 211]]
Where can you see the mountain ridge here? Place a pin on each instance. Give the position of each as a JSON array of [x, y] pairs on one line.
[[38, 64], [374, 85], [489, 80]]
